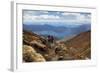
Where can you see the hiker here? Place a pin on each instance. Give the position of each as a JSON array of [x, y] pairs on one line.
[[50, 39]]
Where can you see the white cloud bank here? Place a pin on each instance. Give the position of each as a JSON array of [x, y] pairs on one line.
[[65, 17]]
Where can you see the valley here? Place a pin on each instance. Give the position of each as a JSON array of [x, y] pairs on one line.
[[37, 48]]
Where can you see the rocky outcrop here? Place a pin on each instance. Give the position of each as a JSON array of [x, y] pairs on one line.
[[30, 55]]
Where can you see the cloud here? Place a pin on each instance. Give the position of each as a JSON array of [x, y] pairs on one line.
[[84, 18], [78, 17], [48, 16], [34, 18], [29, 17]]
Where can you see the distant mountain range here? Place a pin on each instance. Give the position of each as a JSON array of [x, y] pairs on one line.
[[57, 31]]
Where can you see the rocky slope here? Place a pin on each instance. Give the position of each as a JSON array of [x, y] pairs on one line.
[[80, 45], [37, 48]]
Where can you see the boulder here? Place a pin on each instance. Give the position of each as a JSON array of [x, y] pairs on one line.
[[30, 55]]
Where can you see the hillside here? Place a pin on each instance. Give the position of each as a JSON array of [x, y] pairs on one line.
[[80, 43], [37, 48]]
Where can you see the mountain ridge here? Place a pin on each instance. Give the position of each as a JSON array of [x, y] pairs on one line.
[[59, 31]]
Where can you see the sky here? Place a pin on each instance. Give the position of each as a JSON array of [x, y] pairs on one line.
[[58, 17]]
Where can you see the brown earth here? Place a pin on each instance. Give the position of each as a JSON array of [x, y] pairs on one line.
[[76, 48]]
